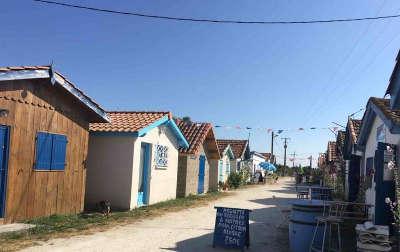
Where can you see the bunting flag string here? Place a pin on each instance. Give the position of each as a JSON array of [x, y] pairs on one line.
[[278, 131]]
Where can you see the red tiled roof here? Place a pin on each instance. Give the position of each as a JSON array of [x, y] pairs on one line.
[[384, 106], [332, 155], [195, 133], [21, 68], [355, 126], [238, 146], [340, 138], [128, 121]]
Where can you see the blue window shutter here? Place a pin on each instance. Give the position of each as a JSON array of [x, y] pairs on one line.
[[58, 152], [43, 151]]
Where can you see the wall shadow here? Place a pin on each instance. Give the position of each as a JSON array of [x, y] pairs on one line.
[[268, 230]]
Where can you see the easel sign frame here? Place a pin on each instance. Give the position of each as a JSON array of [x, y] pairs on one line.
[[232, 228]]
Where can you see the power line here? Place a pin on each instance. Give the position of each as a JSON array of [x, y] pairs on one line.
[[317, 104], [224, 21]]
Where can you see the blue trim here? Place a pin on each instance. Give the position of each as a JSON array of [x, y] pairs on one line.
[[153, 125], [229, 151], [142, 132], [181, 139]]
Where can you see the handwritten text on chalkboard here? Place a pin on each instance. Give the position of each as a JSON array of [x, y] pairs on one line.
[[231, 227]]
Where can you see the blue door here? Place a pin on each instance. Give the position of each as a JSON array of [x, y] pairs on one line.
[[384, 185], [4, 140], [144, 171], [202, 168]]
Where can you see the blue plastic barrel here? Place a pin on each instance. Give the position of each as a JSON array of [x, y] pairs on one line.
[[302, 224]]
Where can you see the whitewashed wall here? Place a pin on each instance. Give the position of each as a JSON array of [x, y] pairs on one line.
[[370, 148], [163, 181], [109, 171]]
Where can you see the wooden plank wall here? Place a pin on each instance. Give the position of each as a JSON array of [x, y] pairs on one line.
[[34, 106]]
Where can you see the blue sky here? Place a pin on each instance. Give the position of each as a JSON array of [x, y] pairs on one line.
[[249, 75]]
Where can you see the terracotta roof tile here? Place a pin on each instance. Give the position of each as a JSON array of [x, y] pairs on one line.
[[340, 138], [355, 126], [195, 133], [384, 106], [128, 121], [238, 146], [332, 152]]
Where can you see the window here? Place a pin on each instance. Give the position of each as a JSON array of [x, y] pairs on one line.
[[161, 156], [50, 151]]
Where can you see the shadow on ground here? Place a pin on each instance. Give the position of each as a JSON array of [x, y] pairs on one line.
[[268, 230]]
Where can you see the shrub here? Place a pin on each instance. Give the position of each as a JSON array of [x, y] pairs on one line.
[[234, 180], [244, 176]]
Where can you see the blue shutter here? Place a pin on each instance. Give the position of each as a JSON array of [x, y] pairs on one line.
[[58, 152], [43, 151]]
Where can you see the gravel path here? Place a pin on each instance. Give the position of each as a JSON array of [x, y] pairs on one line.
[[192, 229]]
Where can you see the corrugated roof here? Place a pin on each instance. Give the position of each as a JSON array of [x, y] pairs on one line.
[[81, 93]]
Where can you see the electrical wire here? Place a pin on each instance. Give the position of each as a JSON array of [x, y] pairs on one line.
[[220, 21]]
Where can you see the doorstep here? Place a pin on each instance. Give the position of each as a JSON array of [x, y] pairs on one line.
[[14, 227]]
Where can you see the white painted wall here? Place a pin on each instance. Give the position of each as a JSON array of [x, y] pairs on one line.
[[370, 148], [255, 163], [113, 168], [163, 181], [109, 171], [226, 166]]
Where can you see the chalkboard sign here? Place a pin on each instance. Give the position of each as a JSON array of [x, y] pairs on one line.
[[232, 228]]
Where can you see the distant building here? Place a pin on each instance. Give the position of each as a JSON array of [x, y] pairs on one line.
[[255, 160], [268, 157], [225, 164], [240, 148]]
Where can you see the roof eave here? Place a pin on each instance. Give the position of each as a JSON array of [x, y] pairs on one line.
[[55, 78]]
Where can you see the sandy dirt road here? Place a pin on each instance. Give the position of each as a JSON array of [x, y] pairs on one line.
[[192, 229]]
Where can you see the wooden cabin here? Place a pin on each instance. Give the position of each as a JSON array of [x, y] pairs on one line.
[[44, 123], [198, 164]]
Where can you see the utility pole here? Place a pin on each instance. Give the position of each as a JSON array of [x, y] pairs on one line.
[[293, 156], [272, 146], [311, 162], [284, 156]]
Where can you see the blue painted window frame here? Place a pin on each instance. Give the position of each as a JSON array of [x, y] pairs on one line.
[[50, 152]]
